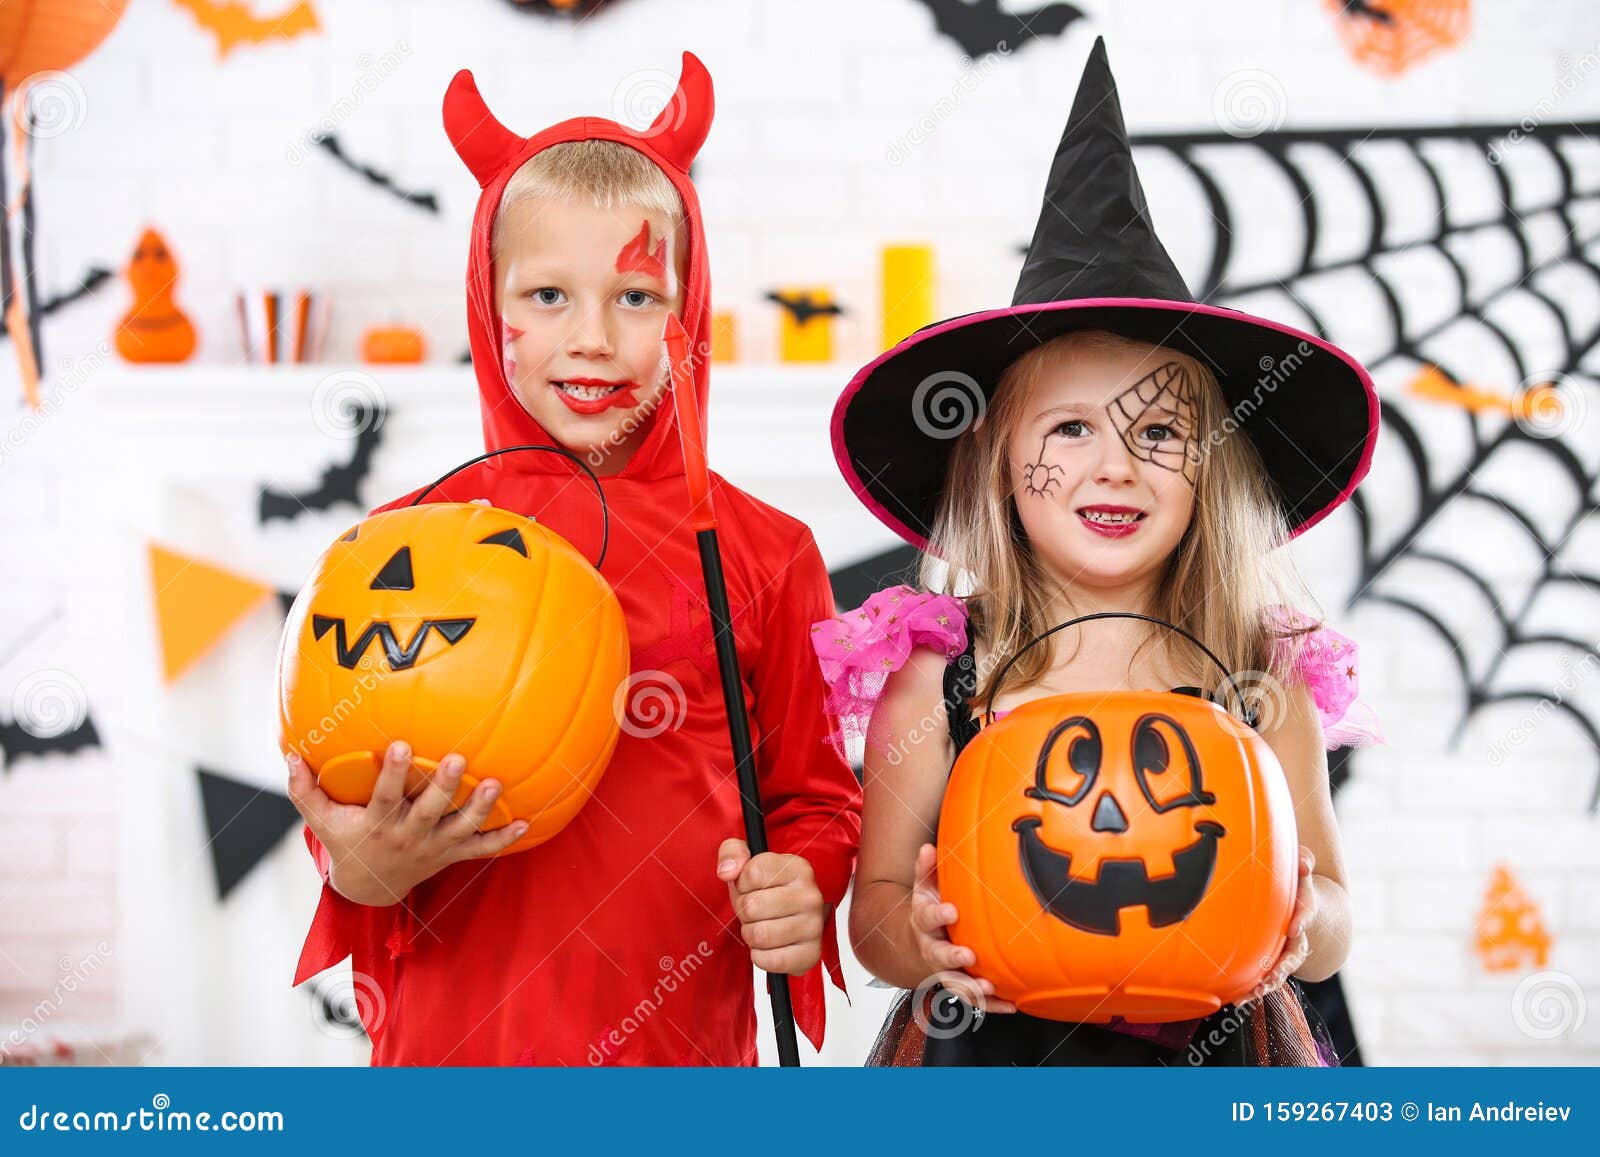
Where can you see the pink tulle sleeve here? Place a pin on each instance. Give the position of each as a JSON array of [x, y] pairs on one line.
[[1327, 662], [860, 649]]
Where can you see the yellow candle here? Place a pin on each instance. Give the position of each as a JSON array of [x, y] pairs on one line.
[[805, 334], [907, 273], [724, 336]]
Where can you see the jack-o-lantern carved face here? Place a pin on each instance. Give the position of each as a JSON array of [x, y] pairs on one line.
[[1150, 874], [457, 628], [1072, 772]]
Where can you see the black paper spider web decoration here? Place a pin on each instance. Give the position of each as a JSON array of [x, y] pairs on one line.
[[1374, 230]]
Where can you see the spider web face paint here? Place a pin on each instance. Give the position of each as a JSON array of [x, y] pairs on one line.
[[1169, 388]]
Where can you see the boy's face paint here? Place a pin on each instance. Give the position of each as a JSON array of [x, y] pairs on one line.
[[583, 297], [508, 349], [1105, 460], [637, 256]]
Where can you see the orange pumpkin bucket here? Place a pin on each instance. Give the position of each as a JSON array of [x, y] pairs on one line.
[[458, 628], [1118, 854]]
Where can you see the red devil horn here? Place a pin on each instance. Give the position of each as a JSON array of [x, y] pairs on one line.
[[681, 128], [481, 141]]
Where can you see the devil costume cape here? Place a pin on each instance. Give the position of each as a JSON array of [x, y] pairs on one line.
[[615, 942]]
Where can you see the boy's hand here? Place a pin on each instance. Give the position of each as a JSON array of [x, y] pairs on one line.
[[780, 908], [381, 851]]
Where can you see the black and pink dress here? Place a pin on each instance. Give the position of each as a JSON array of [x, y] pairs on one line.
[[859, 651]]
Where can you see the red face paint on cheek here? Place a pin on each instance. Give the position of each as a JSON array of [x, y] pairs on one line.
[[637, 257], [508, 355]]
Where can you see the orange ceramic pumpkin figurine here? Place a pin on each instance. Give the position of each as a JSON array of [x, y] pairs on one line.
[[458, 628], [393, 345], [155, 329], [1127, 853]]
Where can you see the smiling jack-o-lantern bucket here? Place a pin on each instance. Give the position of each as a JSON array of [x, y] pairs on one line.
[[458, 628], [1123, 853]]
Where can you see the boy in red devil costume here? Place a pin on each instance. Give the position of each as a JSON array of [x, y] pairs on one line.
[[627, 938]]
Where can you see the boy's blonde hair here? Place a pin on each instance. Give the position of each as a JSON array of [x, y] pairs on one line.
[[1222, 582], [605, 174]]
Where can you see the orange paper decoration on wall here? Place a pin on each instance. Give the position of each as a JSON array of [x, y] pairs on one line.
[[458, 628], [1390, 36], [1511, 934], [40, 35], [196, 605]]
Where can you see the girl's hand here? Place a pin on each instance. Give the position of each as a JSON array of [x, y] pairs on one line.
[[930, 915], [1297, 943], [381, 851], [780, 908]]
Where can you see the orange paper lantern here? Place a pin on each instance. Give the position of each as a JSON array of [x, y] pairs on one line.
[[458, 628], [1127, 853], [40, 35]]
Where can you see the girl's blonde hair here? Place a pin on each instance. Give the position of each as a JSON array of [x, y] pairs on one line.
[[1222, 583], [604, 174]]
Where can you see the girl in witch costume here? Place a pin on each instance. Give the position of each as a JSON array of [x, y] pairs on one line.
[[1103, 444], [628, 937]]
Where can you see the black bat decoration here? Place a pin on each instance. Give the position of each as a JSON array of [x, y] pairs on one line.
[[1367, 11], [576, 10], [1521, 303], [981, 28], [803, 307], [330, 144], [92, 280], [16, 741], [339, 483]]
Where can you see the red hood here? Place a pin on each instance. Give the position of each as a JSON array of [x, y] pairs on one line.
[[493, 153]]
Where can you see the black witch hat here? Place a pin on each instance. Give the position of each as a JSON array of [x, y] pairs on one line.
[[1096, 263]]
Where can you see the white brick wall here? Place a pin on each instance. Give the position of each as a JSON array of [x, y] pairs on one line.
[[810, 168]]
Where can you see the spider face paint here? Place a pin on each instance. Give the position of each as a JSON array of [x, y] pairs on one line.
[[1041, 478], [1167, 396]]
